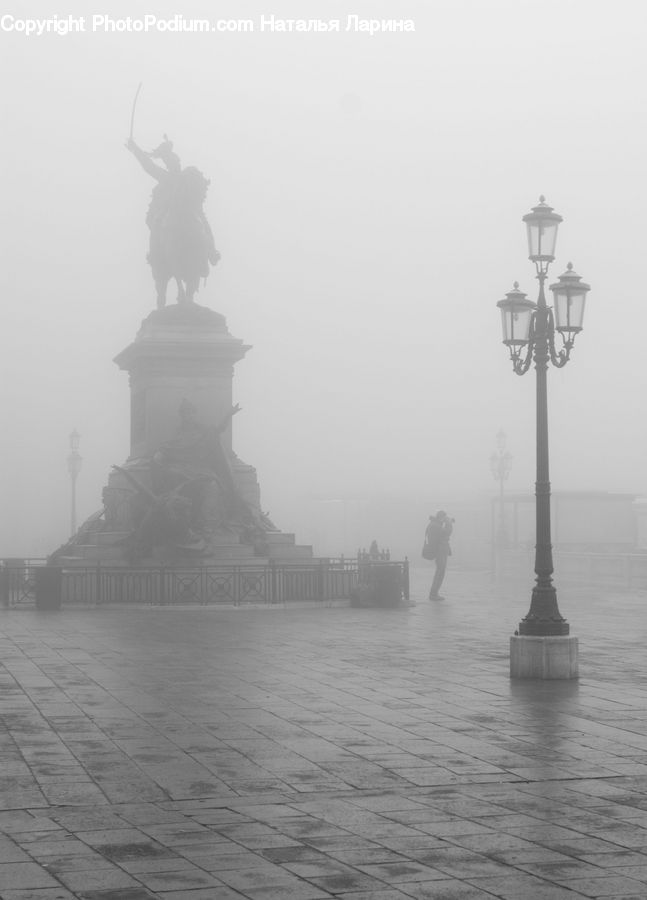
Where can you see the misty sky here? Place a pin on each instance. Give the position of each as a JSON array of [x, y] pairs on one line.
[[366, 197]]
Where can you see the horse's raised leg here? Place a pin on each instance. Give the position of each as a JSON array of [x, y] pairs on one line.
[[181, 292]]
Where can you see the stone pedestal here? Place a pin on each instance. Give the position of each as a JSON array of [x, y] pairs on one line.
[[182, 359], [543, 657], [182, 352]]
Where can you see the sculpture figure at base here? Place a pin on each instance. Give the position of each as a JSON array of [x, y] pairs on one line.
[[193, 498], [162, 520], [181, 240], [196, 451]]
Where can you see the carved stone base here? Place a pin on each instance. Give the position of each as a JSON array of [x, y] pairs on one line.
[[183, 496]]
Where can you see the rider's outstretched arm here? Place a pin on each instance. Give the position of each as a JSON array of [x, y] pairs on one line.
[[147, 164]]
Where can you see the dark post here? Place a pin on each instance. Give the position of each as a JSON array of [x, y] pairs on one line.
[[529, 332], [74, 462], [4, 585], [272, 597], [544, 617], [48, 587], [322, 580]]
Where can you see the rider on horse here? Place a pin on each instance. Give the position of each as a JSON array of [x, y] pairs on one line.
[[181, 240]]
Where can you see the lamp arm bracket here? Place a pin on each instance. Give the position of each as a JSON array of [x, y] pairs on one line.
[[559, 358], [521, 366]]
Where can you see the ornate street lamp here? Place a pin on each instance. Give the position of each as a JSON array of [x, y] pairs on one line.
[[74, 462], [500, 465], [529, 332]]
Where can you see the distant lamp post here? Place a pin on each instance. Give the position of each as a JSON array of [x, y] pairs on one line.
[[542, 648], [500, 465], [74, 462]]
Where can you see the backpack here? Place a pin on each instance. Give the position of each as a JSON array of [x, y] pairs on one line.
[[432, 540]]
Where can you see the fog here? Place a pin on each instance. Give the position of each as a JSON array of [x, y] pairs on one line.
[[366, 196]]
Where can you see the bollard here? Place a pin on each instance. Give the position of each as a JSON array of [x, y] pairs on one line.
[[47, 582]]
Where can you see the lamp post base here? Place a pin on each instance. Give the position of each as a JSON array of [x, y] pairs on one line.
[[548, 657]]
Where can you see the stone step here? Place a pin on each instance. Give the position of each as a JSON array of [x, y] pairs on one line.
[[239, 555], [279, 537], [106, 538], [229, 552], [289, 552], [99, 553]]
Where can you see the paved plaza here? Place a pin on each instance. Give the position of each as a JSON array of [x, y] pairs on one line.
[[302, 753]]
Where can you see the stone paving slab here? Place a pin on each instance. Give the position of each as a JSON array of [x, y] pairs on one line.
[[304, 753]]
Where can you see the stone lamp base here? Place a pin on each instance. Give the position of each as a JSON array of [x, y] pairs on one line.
[[543, 657]]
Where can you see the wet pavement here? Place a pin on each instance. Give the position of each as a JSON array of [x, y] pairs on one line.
[[303, 753]]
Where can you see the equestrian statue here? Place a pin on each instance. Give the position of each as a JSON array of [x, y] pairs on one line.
[[181, 241]]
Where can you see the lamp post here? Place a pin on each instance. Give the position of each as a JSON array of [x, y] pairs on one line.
[[529, 332], [74, 462], [500, 465]]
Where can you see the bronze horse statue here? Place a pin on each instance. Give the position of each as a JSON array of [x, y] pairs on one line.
[[181, 241]]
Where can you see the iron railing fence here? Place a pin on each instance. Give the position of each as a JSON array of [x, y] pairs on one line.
[[318, 580], [18, 580]]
